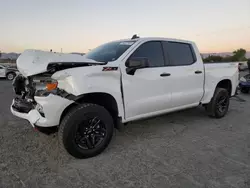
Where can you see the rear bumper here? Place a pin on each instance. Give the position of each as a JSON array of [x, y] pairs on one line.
[[52, 107]]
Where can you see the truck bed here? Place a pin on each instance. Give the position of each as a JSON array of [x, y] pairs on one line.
[[221, 71]]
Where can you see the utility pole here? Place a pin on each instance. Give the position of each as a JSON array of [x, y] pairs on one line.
[[61, 50]]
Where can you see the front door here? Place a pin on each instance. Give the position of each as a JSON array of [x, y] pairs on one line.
[[147, 91]]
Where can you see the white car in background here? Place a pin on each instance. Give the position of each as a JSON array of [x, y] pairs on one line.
[[8, 72]]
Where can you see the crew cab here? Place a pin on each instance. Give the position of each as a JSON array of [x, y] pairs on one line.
[[86, 97]]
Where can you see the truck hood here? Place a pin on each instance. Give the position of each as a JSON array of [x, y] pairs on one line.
[[32, 62]]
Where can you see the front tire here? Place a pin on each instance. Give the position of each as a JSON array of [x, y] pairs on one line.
[[218, 106], [86, 130]]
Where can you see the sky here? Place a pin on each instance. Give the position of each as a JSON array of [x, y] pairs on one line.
[[80, 25]]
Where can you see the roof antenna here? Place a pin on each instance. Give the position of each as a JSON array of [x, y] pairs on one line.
[[135, 37]]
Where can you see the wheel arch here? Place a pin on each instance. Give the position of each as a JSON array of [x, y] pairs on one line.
[[103, 99], [10, 72], [210, 88], [226, 84]]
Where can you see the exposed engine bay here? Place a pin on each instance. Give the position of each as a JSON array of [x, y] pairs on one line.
[[26, 89], [39, 85], [36, 68]]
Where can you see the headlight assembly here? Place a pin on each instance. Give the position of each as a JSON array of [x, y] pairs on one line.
[[45, 86]]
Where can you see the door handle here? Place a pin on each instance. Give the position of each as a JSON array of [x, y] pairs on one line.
[[165, 74], [198, 72]]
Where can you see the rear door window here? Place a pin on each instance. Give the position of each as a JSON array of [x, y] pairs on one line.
[[179, 54]]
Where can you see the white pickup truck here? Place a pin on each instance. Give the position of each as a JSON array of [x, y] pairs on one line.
[[86, 97]]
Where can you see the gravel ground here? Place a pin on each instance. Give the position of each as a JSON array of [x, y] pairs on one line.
[[183, 149]]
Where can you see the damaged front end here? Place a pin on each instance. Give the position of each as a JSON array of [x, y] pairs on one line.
[[24, 101], [27, 88], [40, 101], [38, 97]]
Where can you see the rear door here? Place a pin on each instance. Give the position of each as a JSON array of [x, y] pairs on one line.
[[187, 74], [147, 91]]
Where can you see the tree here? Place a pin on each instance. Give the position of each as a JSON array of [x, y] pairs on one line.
[[239, 55], [228, 58]]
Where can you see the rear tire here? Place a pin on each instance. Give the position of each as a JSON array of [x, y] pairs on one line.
[[10, 76], [80, 134], [218, 106]]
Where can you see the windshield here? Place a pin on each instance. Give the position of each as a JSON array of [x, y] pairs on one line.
[[109, 51]]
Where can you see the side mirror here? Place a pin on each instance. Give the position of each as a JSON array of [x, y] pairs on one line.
[[133, 64]]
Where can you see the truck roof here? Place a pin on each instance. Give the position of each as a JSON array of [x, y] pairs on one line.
[[158, 38], [162, 38]]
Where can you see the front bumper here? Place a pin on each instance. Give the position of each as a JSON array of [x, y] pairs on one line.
[[52, 107]]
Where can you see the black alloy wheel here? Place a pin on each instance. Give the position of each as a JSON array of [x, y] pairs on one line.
[[86, 130], [90, 133], [222, 104], [218, 106]]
